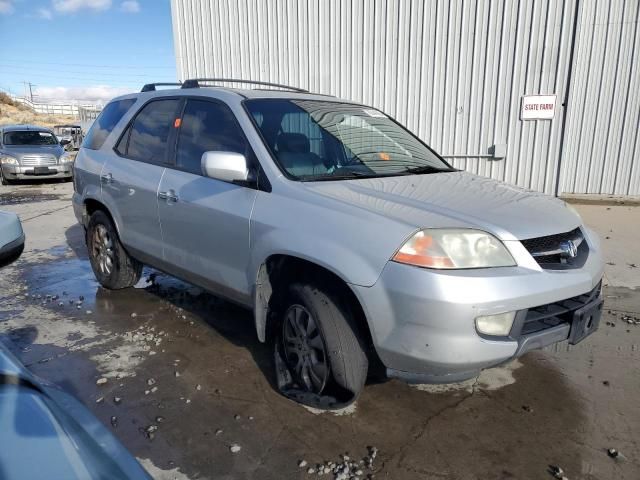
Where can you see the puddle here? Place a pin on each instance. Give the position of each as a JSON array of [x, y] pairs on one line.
[[28, 196]]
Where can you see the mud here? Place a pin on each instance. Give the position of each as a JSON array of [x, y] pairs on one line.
[[552, 407], [26, 196]]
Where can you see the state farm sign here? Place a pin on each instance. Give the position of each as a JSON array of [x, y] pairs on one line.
[[538, 107]]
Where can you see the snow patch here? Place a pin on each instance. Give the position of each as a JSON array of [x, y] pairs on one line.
[[489, 379], [341, 412], [159, 474]]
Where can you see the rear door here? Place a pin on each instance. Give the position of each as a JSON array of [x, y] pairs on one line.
[[130, 179], [205, 222]]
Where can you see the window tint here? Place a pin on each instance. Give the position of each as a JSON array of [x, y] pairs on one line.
[[207, 126], [110, 115], [150, 131]]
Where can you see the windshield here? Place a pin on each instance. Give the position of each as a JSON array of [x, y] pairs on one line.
[[319, 140], [29, 137]]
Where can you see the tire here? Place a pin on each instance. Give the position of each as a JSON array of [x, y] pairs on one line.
[[113, 267], [3, 180], [336, 340]]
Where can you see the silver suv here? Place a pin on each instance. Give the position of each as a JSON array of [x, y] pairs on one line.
[[355, 245], [29, 151]]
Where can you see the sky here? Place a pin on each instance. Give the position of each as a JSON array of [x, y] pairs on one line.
[[85, 50]]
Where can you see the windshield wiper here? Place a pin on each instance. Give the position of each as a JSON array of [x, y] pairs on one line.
[[428, 169]]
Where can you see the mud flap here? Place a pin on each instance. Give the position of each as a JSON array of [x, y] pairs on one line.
[[290, 389]]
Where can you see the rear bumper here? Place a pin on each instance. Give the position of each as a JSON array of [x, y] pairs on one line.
[[423, 321], [14, 172]]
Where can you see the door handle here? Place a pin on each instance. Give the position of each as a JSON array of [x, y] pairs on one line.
[[106, 179], [170, 196]]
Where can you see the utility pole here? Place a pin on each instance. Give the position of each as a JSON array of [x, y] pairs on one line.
[[30, 87]]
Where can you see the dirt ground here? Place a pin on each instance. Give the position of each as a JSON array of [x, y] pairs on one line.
[[181, 359]]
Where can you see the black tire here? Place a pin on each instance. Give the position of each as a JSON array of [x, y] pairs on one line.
[[345, 355], [3, 180], [122, 270]]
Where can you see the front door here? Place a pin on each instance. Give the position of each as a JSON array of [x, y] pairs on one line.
[[205, 222], [130, 180]]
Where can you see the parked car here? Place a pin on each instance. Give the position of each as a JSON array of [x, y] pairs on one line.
[[11, 238], [70, 136], [47, 433], [352, 241], [29, 151]]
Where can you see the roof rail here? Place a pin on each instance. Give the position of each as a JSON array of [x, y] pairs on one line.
[[195, 83], [151, 87]]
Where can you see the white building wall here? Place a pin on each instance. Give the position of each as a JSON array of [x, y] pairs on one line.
[[454, 72]]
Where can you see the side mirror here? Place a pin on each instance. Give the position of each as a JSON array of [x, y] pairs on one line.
[[65, 142], [225, 166]]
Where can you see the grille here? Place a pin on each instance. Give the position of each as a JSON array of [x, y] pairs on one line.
[[547, 316], [548, 254], [37, 160]]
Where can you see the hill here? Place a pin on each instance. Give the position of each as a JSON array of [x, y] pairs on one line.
[[13, 112]]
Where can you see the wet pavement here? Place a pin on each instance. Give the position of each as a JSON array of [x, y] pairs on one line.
[[186, 378]]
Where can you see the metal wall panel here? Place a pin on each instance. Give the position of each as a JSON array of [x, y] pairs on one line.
[[602, 148], [452, 71]]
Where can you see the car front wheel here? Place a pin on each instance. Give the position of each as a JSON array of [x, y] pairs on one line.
[[3, 179], [113, 267], [319, 343]]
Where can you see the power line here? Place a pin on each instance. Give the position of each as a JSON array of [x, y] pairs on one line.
[[86, 79], [78, 72], [95, 66]]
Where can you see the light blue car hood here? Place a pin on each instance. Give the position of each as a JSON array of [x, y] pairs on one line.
[[10, 228], [46, 433], [455, 199]]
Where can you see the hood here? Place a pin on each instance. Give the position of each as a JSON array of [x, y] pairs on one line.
[[456, 199], [20, 150], [10, 228]]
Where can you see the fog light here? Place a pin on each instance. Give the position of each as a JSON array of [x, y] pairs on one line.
[[497, 325]]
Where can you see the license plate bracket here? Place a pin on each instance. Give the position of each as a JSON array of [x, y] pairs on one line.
[[41, 170], [585, 321]]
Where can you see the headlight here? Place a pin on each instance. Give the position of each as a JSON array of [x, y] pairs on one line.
[[454, 248], [65, 158], [8, 160]]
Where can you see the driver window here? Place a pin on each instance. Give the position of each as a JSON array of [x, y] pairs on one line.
[[207, 126]]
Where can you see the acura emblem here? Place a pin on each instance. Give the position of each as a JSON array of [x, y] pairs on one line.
[[569, 249]]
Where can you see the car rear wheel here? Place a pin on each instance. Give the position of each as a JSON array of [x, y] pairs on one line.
[[113, 267], [319, 343]]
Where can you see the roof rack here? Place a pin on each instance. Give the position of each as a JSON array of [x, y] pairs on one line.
[[151, 87], [195, 83]]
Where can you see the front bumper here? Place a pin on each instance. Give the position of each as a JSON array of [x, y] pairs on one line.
[[19, 172], [423, 321]]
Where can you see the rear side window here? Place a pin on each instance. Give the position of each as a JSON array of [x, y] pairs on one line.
[[207, 126], [105, 122], [148, 136]]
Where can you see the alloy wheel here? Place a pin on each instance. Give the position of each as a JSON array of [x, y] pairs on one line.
[[304, 349], [102, 248]]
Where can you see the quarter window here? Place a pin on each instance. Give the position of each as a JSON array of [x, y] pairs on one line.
[[108, 118], [207, 126], [150, 131]]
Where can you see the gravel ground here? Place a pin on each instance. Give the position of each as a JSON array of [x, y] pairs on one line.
[[181, 378]]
